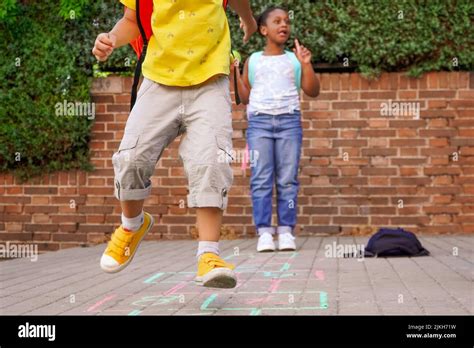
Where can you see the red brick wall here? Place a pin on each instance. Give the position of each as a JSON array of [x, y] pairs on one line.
[[356, 167]]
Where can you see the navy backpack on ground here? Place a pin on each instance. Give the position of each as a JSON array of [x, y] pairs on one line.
[[394, 242]]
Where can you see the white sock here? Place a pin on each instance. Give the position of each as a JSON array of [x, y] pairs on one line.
[[207, 247], [133, 224]]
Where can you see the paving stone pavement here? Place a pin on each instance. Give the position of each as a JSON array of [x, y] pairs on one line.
[[313, 280]]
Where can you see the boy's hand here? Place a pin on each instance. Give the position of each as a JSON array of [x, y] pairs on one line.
[[103, 46], [249, 28], [302, 53]]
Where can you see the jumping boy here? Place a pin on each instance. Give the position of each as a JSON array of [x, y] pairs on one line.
[[185, 91]]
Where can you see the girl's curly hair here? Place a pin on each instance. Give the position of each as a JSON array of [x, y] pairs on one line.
[[262, 19]]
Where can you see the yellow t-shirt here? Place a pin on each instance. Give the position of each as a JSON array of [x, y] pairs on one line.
[[190, 41]]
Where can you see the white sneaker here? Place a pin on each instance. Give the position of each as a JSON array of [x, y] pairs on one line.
[[265, 242], [286, 242]]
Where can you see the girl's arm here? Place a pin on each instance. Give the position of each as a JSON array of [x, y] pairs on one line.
[[243, 84], [309, 81]]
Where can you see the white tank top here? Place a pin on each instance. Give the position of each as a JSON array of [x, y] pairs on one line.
[[274, 89]]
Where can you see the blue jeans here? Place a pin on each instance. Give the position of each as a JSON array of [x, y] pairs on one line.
[[277, 140]]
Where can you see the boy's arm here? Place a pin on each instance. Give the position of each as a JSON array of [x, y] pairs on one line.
[[124, 31], [248, 22], [243, 84]]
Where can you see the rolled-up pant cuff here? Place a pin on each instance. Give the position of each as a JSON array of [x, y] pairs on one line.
[[203, 200], [261, 230], [284, 229], [131, 194]]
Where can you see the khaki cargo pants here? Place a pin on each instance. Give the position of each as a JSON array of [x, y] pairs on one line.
[[202, 114]]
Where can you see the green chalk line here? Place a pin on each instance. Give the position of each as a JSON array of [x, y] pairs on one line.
[[323, 299], [208, 301], [267, 308], [242, 266], [153, 278], [255, 311], [323, 304]]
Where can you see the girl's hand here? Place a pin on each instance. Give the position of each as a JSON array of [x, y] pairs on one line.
[[235, 66], [104, 46], [302, 53]]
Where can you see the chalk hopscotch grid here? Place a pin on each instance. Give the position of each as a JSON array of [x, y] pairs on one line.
[[272, 298]]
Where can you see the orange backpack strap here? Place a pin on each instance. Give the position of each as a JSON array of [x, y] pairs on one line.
[[144, 10]]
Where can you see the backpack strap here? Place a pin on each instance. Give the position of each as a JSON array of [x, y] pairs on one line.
[[253, 60], [138, 68], [236, 88], [297, 68]]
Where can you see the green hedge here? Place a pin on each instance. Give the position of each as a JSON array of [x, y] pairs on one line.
[[46, 60], [386, 35]]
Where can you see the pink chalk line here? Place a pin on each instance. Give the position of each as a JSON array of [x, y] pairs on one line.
[[100, 303], [246, 158], [274, 285], [319, 275], [239, 282], [175, 288], [258, 300]]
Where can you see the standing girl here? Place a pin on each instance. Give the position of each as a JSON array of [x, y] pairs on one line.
[[270, 85]]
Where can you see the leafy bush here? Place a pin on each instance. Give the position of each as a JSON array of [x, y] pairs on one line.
[[404, 35], [46, 59]]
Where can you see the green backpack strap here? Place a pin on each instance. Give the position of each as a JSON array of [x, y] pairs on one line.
[[236, 88], [297, 68], [254, 58]]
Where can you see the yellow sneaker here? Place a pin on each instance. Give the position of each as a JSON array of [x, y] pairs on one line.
[[123, 245], [213, 272]]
